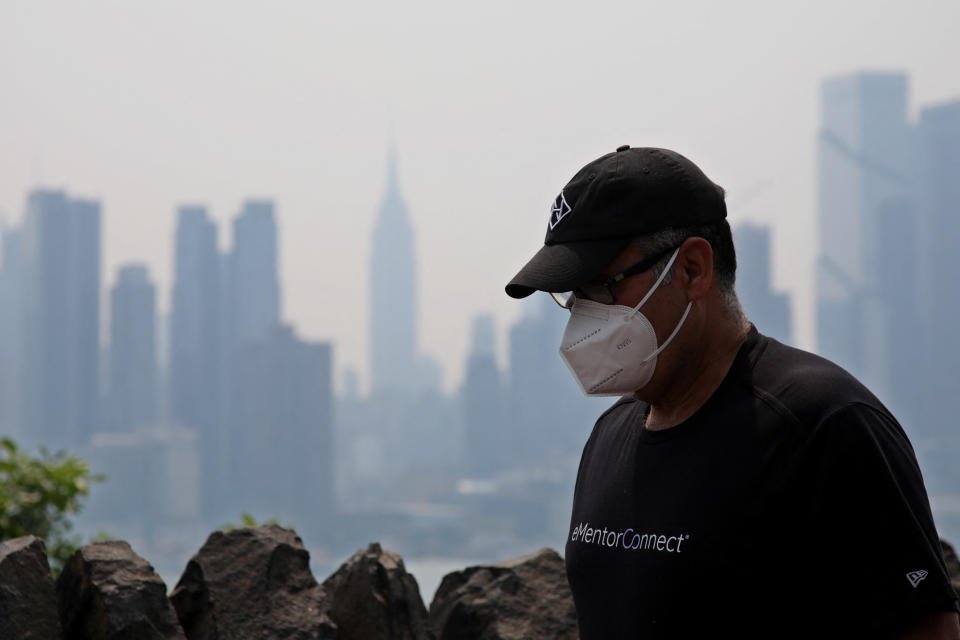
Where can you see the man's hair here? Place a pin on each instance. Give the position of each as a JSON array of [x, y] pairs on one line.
[[719, 236]]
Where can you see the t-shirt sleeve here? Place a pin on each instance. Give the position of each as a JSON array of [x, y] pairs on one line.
[[870, 531]]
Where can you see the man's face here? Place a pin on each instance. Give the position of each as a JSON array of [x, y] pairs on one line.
[[663, 308]]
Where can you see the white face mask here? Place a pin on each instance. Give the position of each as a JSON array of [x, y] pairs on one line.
[[612, 350]]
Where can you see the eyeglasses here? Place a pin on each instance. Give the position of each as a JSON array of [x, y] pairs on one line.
[[600, 291]]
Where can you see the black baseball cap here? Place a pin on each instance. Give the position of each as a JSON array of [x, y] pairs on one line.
[[624, 194]]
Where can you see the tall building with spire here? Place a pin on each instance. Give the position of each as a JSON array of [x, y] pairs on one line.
[[394, 363]]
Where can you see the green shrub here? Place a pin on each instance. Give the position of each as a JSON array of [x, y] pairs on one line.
[[38, 494]]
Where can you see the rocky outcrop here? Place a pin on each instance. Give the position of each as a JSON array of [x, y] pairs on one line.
[[108, 592], [28, 603], [252, 583], [256, 584], [526, 598], [372, 596]]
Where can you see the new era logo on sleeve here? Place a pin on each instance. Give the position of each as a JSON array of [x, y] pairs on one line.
[[558, 210], [915, 577]]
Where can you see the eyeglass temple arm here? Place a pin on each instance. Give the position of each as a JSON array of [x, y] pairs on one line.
[[640, 267]]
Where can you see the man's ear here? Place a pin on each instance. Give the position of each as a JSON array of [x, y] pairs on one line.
[[695, 262]]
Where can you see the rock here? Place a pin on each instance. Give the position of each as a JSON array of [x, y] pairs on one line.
[[524, 598], [28, 603], [108, 592], [373, 597], [252, 583], [953, 564]]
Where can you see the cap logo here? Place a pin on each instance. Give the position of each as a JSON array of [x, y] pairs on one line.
[[558, 210]]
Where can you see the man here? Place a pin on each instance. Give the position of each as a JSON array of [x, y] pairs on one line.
[[740, 488]]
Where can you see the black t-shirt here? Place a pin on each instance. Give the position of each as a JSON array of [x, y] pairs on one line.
[[789, 505]]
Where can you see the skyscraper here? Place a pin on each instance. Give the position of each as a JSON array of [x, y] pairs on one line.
[[864, 154], [939, 163], [900, 323], [482, 404], [768, 310], [394, 363], [195, 340], [133, 350], [250, 306], [282, 431], [61, 287], [11, 329], [255, 287]]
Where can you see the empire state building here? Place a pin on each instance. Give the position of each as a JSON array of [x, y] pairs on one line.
[[394, 359]]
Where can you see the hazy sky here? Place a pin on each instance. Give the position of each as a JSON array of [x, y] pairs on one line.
[[493, 106]]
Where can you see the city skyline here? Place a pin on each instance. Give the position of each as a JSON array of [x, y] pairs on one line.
[[282, 105], [212, 279], [244, 417], [864, 197]]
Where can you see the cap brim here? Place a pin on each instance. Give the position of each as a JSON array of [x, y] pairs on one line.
[[564, 267]]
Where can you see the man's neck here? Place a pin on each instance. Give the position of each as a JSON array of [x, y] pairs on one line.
[[700, 379]]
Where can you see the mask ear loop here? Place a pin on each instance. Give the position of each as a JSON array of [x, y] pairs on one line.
[[676, 329], [656, 284]]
